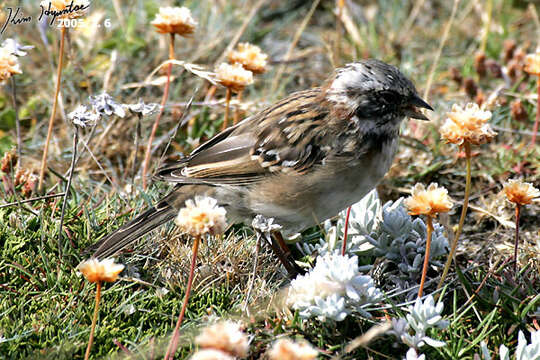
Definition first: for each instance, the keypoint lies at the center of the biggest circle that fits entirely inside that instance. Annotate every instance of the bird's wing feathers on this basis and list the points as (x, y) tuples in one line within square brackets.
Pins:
[(282, 138)]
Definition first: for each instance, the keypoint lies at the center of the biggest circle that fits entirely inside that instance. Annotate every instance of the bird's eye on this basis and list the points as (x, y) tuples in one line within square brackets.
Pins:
[(390, 97)]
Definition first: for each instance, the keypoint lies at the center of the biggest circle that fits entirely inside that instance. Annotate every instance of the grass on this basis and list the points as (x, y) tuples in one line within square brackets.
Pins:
[(46, 307)]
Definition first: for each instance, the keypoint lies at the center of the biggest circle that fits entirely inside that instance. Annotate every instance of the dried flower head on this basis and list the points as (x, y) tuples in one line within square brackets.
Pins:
[(211, 354), (142, 108), (95, 270), (174, 20), (518, 111), (250, 57), (104, 104), (66, 8), (480, 64), (201, 217), (470, 87), (532, 64), (81, 117), (28, 180), (430, 201), (521, 193), (467, 125), (9, 64), (234, 76), (225, 336), (286, 349), (8, 162)]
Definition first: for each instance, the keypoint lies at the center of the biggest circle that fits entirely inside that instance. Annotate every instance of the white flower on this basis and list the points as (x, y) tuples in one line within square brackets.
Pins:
[(332, 289), (82, 117), (201, 217), (524, 351), (412, 355), (422, 316), (264, 225), (530, 351), (15, 48), (104, 104), (425, 315)]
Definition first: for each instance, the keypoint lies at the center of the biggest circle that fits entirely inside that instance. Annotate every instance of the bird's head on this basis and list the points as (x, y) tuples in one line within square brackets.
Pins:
[(372, 89)]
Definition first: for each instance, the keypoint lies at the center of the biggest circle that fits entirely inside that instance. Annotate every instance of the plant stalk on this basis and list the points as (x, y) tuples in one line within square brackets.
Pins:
[(171, 350), (426, 256), (462, 218), (17, 121), (345, 232), (227, 103), (516, 241), (158, 117), (94, 320), (68, 186), (237, 108), (53, 111), (535, 128)]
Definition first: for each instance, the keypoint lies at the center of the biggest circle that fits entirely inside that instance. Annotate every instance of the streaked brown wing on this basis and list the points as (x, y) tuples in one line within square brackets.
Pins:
[(284, 137)]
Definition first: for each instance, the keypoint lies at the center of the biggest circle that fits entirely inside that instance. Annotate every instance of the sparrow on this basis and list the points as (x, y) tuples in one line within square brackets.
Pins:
[(300, 161)]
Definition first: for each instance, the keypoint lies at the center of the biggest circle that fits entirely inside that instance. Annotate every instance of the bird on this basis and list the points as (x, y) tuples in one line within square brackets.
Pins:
[(299, 161)]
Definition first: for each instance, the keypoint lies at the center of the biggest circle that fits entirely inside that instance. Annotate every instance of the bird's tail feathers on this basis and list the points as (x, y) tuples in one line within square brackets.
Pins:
[(125, 235)]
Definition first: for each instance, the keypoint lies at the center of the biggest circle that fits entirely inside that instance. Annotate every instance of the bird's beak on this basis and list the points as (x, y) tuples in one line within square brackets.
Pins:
[(413, 110)]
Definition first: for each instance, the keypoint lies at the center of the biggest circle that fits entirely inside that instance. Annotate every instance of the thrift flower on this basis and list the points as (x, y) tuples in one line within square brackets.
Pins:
[(225, 336), (250, 57), (211, 354), (234, 77), (521, 193), (467, 125), (202, 216), (532, 64), (286, 349), (174, 20), (9, 64), (95, 270), (430, 201)]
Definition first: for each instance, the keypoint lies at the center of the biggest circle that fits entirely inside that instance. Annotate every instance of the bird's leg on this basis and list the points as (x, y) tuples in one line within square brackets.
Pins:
[(271, 233), (284, 255)]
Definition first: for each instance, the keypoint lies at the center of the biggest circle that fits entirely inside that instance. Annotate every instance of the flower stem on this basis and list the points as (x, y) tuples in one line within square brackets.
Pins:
[(345, 232), (227, 102), (68, 186), (516, 241), (17, 121), (535, 128), (158, 117), (237, 108), (53, 111), (426, 256), (136, 150), (463, 213), (94, 320), (171, 350)]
